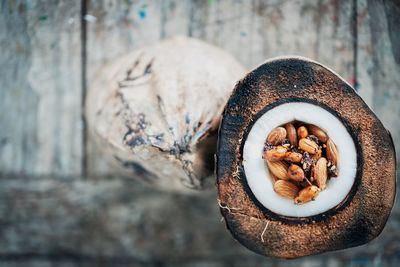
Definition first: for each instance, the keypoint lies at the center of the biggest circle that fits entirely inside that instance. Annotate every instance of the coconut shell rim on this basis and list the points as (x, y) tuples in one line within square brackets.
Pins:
[(232, 222)]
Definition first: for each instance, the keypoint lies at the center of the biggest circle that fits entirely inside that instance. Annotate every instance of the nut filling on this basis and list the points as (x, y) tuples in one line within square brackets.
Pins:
[(301, 159), (302, 129)]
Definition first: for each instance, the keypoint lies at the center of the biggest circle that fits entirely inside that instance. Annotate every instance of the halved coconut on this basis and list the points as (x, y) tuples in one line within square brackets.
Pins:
[(354, 207)]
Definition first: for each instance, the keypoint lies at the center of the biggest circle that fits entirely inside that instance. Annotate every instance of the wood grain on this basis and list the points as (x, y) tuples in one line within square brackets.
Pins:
[(254, 31), (378, 61), (117, 220), (40, 111)]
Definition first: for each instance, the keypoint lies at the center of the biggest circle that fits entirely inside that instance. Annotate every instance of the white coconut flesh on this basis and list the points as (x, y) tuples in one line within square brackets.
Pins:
[(257, 174)]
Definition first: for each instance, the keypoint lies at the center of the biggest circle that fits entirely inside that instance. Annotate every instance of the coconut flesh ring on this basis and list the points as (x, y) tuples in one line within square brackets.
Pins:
[(258, 177), (155, 112)]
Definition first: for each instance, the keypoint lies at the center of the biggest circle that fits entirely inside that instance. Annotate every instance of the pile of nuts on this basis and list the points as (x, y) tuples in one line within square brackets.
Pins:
[(301, 158)]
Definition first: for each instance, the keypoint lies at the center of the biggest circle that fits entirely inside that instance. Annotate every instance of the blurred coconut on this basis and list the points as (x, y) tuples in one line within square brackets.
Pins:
[(156, 111)]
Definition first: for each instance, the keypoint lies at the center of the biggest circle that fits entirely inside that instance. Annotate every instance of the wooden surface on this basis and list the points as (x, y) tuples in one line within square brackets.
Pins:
[(113, 220), (40, 111), (378, 61), (58, 206)]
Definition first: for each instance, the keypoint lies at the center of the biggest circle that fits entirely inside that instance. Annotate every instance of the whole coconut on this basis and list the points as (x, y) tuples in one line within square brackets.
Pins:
[(156, 111)]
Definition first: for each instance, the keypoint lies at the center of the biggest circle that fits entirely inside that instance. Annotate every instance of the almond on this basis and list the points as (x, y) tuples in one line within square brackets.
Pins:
[(321, 173), (318, 132), (302, 132), (308, 146), (312, 171), (291, 134), (273, 177), (293, 157), (279, 169), (295, 173), (331, 152), (307, 194), (317, 155), (275, 154), (286, 189), (276, 136)]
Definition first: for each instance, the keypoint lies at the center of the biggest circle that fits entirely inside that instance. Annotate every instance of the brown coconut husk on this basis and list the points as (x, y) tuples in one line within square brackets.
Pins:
[(359, 218)]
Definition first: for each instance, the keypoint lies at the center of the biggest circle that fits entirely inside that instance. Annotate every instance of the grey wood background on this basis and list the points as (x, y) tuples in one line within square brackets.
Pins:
[(60, 204)]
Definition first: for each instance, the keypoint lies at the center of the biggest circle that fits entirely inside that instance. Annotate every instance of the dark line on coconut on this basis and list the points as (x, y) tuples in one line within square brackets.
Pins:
[(314, 218), (84, 87), (127, 82)]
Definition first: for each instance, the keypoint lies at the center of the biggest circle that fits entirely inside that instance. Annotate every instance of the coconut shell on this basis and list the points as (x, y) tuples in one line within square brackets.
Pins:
[(359, 218), (155, 111)]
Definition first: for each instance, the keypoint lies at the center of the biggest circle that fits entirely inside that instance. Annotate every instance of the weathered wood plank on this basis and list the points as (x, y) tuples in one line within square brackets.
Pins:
[(254, 31), (175, 18), (40, 96), (231, 25), (110, 219), (378, 61)]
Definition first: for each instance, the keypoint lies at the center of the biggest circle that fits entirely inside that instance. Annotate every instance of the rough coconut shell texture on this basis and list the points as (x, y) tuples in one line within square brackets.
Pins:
[(359, 218), (155, 111)]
